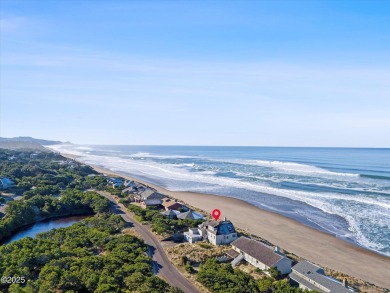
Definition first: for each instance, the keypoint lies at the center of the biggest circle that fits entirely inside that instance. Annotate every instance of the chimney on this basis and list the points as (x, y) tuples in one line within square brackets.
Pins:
[(224, 219), (345, 283)]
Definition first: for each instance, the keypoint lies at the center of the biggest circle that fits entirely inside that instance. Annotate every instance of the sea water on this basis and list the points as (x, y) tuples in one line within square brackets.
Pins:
[(342, 191)]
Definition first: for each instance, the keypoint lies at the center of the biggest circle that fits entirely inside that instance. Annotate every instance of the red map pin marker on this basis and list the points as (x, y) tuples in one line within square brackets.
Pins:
[(216, 214)]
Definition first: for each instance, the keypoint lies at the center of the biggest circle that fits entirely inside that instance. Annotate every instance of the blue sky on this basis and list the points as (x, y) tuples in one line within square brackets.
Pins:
[(267, 73)]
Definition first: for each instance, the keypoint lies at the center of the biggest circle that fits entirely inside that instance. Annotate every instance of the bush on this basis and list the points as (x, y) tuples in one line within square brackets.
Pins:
[(189, 268)]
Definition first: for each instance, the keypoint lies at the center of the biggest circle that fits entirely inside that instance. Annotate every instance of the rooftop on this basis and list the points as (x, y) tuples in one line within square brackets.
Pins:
[(170, 213), (257, 250), (190, 215), (315, 273), (224, 227)]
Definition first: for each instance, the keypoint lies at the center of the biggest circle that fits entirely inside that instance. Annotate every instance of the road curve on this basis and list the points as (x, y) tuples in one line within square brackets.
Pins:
[(166, 269)]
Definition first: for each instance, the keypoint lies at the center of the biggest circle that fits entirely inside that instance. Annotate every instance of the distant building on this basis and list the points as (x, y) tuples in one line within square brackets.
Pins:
[(149, 197), (115, 182), (33, 156), (129, 190), (312, 277), (217, 233), (171, 214), (6, 183), (170, 204), (140, 188), (130, 183), (190, 215), (260, 255)]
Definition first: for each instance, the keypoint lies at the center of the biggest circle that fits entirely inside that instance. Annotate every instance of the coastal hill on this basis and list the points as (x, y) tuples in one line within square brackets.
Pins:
[(26, 143)]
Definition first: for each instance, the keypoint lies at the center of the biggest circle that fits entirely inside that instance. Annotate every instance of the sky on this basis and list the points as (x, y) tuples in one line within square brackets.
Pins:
[(256, 73)]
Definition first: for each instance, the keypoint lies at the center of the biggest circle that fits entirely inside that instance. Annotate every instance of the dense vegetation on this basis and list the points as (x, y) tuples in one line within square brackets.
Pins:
[(86, 257), (72, 202), (161, 224), (51, 186), (223, 278), (46, 173)]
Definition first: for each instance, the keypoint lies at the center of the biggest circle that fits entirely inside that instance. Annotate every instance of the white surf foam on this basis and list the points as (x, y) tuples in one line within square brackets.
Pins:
[(355, 209), (149, 155), (290, 167)]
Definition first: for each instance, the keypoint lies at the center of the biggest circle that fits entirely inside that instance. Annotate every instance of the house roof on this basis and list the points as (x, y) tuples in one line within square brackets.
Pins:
[(232, 253), (150, 193), (222, 228), (128, 189), (210, 223), (170, 213), (257, 250), (190, 215), (316, 273), (152, 201), (168, 204)]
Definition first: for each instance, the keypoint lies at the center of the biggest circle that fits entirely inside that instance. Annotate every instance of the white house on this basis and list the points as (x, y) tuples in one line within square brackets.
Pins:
[(312, 277), (260, 255), (193, 235), (217, 233), (6, 183)]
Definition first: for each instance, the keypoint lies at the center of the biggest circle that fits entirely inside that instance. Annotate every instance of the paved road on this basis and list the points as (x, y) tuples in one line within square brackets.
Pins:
[(165, 268)]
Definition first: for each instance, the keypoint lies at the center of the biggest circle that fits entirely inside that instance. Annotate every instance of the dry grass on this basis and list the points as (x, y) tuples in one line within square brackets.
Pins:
[(132, 232), (251, 270), (195, 254), (360, 285)]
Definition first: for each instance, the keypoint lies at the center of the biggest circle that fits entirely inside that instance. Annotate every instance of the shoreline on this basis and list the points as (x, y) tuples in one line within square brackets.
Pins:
[(304, 241)]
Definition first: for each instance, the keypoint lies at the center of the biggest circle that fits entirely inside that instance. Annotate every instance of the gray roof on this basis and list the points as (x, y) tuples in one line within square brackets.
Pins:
[(232, 253), (170, 213), (150, 193), (210, 223), (257, 250), (222, 228), (190, 215), (306, 270)]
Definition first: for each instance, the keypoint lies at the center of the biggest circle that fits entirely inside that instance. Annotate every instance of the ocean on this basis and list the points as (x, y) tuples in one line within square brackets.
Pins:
[(341, 191)]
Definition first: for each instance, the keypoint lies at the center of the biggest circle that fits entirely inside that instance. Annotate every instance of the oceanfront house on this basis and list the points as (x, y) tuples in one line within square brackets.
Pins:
[(217, 233), (135, 188), (140, 188), (6, 183), (312, 277), (130, 183), (171, 214), (193, 235), (260, 255), (115, 182), (170, 204), (150, 198), (129, 190), (190, 215)]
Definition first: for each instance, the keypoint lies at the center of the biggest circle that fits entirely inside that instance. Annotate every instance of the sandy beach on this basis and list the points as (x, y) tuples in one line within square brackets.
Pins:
[(316, 246)]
